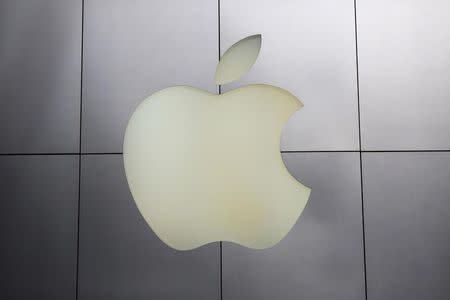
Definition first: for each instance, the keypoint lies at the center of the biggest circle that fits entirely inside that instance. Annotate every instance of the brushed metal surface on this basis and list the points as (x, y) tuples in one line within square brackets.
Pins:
[(133, 50), (322, 256), (407, 213), (308, 48), (40, 67), (38, 227), (404, 71), (121, 258)]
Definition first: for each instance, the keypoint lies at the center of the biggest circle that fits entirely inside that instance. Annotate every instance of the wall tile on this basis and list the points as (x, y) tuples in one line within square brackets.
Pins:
[(308, 48), (322, 256), (121, 258), (40, 66), (404, 68), (407, 213), (133, 50), (38, 227)]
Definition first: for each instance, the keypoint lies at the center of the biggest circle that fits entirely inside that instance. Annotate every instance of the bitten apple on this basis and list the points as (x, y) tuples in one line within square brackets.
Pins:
[(204, 167)]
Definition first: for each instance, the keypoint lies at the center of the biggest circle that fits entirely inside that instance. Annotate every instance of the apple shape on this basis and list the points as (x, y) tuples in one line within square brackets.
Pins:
[(204, 167)]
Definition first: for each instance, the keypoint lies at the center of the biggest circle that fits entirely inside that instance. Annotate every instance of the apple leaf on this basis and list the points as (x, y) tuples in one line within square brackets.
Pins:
[(238, 59)]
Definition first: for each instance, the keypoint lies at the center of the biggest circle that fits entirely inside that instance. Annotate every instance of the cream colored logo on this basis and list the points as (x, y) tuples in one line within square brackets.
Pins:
[(204, 167)]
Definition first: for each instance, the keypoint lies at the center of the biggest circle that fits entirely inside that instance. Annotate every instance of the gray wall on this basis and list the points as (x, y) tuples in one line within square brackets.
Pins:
[(373, 142)]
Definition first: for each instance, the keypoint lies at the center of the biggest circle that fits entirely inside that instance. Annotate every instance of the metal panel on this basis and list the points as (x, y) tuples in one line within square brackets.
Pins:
[(134, 49), (121, 258), (308, 48), (322, 256), (407, 209), (39, 76), (404, 67), (38, 227)]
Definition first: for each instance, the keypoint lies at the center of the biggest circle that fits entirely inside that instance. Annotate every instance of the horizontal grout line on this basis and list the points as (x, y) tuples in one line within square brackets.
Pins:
[(43, 153), (316, 151), (402, 151), (283, 151), (101, 153), (364, 151), (61, 153)]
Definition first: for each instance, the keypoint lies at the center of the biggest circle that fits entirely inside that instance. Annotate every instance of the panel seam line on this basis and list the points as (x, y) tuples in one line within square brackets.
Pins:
[(79, 150), (363, 226)]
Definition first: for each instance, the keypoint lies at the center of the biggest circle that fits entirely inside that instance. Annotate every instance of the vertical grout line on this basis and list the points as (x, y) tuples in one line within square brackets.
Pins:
[(220, 91), (360, 151), (81, 75), (78, 225), (363, 222), (218, 34), (221, 268), (357, 74), (79, 148)]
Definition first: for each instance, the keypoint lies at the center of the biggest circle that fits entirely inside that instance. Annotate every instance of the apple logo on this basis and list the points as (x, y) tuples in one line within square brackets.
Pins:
[(203, 167)]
